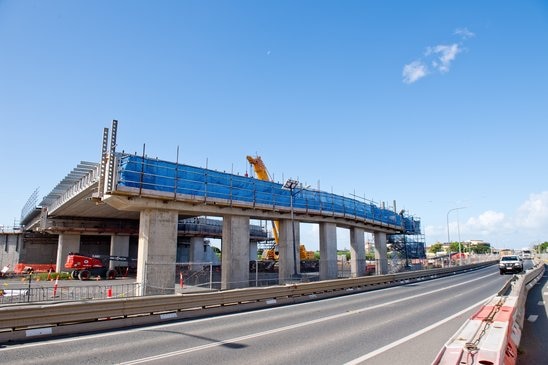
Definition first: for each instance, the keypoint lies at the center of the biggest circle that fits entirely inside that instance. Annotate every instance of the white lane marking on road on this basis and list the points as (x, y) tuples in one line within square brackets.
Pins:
[(167, 325), (369, 355), (532, 318), (298, 325)]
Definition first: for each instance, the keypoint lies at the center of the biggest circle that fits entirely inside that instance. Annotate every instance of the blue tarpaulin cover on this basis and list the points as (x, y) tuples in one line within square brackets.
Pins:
[(151, 174)]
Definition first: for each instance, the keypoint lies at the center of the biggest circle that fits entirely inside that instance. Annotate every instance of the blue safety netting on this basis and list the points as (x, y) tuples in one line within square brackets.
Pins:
[(150, 174)]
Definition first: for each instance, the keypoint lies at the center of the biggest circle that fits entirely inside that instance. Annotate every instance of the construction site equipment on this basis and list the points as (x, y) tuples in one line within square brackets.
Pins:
[(306, 255), (86, 267), (272, 254), (22, 268), (262, 174)]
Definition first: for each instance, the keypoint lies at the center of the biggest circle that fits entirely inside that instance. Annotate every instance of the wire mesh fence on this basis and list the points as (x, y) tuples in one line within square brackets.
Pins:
[(204, 276), (45, 292)]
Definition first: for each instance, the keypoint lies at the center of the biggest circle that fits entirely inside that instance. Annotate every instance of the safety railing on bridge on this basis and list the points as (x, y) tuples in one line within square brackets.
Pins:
[(143, 174)]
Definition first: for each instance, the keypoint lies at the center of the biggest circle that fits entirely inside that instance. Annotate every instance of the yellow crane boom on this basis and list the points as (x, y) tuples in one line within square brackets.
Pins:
[(262, 174)]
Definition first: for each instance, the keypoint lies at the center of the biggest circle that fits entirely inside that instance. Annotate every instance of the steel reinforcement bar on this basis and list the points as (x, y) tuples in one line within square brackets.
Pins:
[(19, 322)]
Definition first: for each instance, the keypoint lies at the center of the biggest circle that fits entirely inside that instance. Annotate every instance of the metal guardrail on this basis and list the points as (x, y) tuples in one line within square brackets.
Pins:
[(21, 321)]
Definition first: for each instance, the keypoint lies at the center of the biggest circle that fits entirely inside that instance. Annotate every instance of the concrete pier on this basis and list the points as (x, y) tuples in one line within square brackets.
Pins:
[(357, 252), (235, 249), (157, 251), (328, 251), (380, 253), (288, 250), (67, 243), (119, 246)]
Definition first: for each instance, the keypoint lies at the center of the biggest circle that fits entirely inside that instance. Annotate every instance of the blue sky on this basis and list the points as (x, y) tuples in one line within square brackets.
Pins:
[(436, 105)]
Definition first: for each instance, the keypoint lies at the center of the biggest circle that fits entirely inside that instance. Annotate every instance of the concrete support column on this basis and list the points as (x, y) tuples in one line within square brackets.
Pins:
[(235, 252), (67, 243), (196, 251), (288, 250), (253, 251), (357, 252), (380, 253), (328, 251), (157, 251), (119, 246)]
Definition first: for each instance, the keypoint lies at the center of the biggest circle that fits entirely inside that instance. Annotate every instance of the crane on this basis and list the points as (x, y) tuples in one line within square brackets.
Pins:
[(262, 174)]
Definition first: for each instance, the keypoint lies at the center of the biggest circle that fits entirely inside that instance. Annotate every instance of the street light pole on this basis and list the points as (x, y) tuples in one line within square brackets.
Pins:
[(291, 185), (293, 234), (458, 233), (448, 237)]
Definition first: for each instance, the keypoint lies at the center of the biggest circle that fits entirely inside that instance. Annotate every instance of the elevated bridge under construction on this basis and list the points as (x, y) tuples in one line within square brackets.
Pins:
[(127, 193)]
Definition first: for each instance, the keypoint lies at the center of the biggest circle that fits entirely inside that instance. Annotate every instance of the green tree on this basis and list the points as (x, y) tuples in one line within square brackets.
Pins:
[(542, 248), (454, 247), (436, 247), (481, 249)]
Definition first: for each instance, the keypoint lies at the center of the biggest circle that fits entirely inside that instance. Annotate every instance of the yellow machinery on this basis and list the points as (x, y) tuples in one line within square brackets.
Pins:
[(262, 174), (306, 255)]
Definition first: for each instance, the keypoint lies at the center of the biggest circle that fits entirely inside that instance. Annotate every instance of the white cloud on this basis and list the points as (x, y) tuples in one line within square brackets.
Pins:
[(445, 54), (533, 213), (487, 222), (414, 71), (464, 33), (437, 59), (525, 227)]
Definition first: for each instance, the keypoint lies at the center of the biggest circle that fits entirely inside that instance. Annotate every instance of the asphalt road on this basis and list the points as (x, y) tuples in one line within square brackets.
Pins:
[(408, 324)]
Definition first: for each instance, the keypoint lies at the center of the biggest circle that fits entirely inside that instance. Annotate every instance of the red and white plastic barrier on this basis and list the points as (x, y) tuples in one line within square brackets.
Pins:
[(492, 335)]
